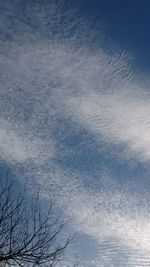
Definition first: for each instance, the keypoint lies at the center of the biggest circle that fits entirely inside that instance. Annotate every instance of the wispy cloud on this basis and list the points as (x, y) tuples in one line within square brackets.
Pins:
[(120, 117), (53, 75), (113, 217), (18, 148)]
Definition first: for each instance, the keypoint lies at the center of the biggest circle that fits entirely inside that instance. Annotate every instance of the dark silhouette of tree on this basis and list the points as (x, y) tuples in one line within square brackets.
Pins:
[(28, 234)]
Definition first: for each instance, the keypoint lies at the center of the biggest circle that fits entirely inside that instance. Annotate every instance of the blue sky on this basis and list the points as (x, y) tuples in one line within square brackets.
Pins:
[(74, 119), (127, 23)]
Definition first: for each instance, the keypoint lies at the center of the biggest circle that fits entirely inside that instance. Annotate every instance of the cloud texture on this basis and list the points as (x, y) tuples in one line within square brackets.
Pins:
[(58, 86)]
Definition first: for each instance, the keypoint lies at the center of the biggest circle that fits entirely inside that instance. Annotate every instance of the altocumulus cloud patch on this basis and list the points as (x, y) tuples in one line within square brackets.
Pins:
[(51, 72)]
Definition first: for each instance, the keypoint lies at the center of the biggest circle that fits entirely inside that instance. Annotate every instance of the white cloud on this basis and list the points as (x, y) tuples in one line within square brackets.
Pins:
[(19, 148), (120, 117), (114, 218), (51, 80)]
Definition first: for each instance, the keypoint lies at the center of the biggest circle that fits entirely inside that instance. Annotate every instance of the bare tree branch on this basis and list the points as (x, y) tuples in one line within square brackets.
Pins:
[(28, 235)]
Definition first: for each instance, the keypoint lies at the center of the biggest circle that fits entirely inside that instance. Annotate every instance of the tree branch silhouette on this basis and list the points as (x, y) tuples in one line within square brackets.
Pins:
[(28, 235)]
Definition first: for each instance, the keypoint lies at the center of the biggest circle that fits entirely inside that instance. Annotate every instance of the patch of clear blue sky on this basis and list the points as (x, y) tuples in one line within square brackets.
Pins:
[(126, 23)]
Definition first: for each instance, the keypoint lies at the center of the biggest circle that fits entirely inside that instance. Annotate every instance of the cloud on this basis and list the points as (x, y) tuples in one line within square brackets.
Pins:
[(51, 74), (17, 148), (119, 117), (114, 218)]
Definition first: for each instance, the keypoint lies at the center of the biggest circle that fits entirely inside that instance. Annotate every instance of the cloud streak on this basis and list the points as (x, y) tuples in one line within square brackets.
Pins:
[(121, 118)]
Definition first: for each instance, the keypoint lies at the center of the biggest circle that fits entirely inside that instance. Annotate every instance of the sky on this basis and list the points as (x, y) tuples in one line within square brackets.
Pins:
[(75, 120)]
